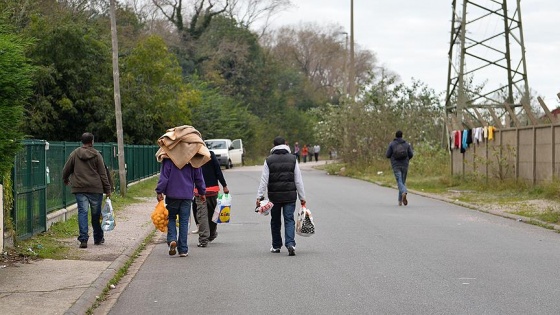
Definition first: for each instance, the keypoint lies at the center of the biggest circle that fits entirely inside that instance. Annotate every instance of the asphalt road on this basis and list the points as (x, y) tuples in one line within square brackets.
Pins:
[(369, 256)]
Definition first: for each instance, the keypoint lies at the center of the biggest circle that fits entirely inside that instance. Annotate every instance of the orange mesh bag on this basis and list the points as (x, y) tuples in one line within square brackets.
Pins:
[(160, 216)]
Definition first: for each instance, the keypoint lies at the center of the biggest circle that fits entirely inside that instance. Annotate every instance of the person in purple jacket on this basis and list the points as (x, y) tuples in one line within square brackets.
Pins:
[(177, 184)]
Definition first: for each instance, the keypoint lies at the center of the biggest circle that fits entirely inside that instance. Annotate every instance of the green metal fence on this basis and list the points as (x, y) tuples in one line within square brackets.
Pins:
[(30, 186), (38, 186)]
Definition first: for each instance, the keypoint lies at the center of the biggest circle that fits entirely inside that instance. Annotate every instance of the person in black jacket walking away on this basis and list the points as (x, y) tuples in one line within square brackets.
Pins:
[(281, 177), (400, 152), (212, 173)]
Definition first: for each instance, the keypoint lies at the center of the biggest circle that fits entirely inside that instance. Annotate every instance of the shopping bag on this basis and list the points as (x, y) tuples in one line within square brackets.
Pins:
[(304, 223), (223, 208), (160, 216), (264, 207), (107, 216)]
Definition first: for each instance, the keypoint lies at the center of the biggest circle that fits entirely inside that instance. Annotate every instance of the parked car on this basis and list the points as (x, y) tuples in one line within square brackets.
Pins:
[(228, 152)]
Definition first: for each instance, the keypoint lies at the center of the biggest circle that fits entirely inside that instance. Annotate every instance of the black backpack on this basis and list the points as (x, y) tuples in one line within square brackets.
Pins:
[(400, 151)]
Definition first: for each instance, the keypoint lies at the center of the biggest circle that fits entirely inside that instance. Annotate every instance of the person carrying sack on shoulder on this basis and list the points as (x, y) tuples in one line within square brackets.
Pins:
[(400, 152), (182, 153)]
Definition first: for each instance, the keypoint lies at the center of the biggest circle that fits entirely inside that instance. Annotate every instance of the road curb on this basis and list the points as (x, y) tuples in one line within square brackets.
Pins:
[(95, 290)]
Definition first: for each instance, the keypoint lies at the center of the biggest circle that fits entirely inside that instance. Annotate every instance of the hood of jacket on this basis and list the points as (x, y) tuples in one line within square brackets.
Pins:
[(278, 148), (86, 153)]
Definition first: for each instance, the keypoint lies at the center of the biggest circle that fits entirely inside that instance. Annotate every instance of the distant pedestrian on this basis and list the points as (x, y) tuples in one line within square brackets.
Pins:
[(213, 176), (400, 152), (89, 180), (182, 153), (281, 178), (296, 151), (316, 150), (305, 152)]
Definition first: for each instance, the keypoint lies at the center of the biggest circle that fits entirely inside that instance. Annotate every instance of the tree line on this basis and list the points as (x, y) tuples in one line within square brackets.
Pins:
[(201, 63)]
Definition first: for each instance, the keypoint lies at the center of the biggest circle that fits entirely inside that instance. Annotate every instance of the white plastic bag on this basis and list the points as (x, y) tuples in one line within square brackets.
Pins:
[(223, 209), (264, 207), (108, 216), (304, 223)]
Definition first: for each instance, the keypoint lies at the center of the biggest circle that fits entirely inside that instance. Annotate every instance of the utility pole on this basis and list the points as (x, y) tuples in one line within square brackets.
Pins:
[(352, 74), (117, 91), (344, 65)]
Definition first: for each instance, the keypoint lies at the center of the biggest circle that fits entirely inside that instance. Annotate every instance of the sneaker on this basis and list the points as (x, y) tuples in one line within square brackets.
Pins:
[(404, 201), (201, 245), (183, 254), (102, 241), (400, 203), (172, 248), (291, 250), (274, 250), (83, 244), (195, 231)]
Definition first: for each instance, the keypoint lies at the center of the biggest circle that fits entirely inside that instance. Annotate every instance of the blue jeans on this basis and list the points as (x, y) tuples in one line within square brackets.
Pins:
[(85, 201), (287, 209), (181, 207), (400, 175)]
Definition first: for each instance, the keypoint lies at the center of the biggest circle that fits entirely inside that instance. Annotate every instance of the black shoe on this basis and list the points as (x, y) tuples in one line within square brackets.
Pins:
[(83, 244), (291, 250), (274, 250), (102, 241), (404, 200), (201, 245)]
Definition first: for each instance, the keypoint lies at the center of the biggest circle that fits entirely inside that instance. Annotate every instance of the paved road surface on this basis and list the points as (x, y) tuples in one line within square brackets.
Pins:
[(369, 256)]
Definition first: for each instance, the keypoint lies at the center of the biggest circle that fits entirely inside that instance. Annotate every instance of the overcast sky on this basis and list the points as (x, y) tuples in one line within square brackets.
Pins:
[(411, 37)]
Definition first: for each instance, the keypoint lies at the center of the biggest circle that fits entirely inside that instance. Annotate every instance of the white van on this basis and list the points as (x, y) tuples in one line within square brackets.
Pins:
[(228, 152)]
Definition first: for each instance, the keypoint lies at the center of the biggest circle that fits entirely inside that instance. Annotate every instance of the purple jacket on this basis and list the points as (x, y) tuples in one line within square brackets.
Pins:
[(180, 183)]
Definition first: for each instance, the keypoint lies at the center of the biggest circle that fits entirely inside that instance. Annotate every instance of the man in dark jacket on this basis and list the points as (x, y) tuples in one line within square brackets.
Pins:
[(281, 177), (400, 152), (212, 173), (89, 182)]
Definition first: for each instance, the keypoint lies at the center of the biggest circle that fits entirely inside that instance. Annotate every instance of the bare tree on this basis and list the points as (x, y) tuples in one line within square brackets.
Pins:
[(200, 17), (247, 12), (321, 53)]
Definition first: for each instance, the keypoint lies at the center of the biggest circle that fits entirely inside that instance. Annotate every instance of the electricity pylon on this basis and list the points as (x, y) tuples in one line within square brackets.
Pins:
[(487, 70)]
